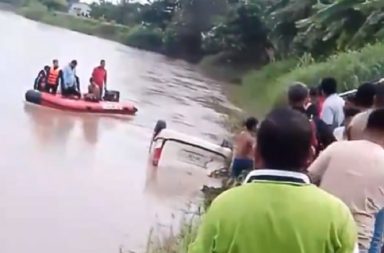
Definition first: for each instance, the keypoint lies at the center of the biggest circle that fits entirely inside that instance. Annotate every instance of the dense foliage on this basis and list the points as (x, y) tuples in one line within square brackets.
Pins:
[(291, 27), (253, 30), (250, 31)]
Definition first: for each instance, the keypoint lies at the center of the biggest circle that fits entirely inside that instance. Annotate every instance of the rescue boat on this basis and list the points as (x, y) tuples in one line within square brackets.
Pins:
[(79, 105)]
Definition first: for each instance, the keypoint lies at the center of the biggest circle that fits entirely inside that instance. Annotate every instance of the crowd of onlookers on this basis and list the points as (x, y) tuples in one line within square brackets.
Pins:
[(317, 178)]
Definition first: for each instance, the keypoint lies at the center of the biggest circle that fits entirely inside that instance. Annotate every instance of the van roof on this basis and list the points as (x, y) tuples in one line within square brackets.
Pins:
[(169, 134)]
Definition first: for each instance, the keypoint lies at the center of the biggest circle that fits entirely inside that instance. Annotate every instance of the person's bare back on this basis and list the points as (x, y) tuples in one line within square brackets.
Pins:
[(244, 148), (244, 145)]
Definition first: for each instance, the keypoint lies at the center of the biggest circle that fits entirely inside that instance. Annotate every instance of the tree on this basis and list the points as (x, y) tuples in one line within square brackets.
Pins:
[(342, 24), (243, 32)]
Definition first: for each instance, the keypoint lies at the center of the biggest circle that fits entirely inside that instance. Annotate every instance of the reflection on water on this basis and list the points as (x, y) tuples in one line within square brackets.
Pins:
[(54, 127)]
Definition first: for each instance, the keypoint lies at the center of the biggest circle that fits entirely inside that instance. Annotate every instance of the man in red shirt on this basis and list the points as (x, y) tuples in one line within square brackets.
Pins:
[(99, 77)]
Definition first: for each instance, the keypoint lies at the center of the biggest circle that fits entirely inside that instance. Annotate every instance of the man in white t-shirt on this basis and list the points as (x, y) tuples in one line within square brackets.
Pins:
[(332, 112), (354, 172)]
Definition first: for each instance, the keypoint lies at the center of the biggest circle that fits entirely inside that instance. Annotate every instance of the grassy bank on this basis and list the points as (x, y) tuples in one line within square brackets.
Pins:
[(137, 36), (179, 241), (38, 12), (261, 89)]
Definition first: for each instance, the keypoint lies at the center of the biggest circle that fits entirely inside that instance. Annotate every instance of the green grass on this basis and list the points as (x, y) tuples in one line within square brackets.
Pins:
[(171, 242), (38, 12), (262, 89)]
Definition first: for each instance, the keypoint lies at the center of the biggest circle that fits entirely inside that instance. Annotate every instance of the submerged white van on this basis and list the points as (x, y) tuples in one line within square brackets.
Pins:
[(184, 149)]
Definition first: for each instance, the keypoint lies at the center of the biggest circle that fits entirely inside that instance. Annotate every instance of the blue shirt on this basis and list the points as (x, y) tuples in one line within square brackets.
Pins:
[(69, 77)]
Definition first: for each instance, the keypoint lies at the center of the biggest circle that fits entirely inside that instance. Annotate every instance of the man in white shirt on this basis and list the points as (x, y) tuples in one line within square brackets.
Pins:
[(333, 108), (354, 172)]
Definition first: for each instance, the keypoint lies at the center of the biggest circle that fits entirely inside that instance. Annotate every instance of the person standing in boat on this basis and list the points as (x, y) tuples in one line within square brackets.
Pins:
[(99, 77), (53, 78), (41, 79), (70, 80)]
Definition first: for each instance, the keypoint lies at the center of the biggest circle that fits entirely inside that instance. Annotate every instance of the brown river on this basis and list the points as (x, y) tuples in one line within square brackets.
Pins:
[(73, 183)]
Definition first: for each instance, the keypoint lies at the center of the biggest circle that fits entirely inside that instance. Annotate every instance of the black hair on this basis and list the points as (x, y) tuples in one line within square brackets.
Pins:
[(329, 85), (351, 111), (297, 93), (91, 79), (376, 120), (379, 90), (251, 123), (46, 67), (101, 61), (74, 62), (314, 91), (284, 139), (55, 60), (365, 94)]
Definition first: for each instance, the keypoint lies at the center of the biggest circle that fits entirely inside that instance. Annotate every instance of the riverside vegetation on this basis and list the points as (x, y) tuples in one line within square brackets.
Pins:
[(263, 45)]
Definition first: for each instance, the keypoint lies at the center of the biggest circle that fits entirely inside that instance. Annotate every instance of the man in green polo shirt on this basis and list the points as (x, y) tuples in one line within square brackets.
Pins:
[(277, 210)]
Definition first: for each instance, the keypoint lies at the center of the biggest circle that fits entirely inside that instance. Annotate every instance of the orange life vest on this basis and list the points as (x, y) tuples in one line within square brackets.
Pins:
[(52, 76)]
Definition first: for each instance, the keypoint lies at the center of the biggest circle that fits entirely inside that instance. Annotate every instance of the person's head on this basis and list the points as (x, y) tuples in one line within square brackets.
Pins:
[(298, 95), (55, 63), (47, 68), (349, 113), (328, 86), (102, 63), (314, 94), (73, 64), (364, 95), (375, 127), (251, 124), (284, 140), (91, 80), (379, 96)]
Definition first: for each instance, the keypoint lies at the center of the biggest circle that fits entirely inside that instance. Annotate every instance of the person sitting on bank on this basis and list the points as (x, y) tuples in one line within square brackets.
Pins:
[(244, 148), (277, 210), (70, 80), (41, 79), (93, 91), (53, 79)]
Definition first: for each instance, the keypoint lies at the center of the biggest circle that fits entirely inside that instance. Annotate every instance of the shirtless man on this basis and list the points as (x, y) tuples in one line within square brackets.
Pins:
[(244, 148)]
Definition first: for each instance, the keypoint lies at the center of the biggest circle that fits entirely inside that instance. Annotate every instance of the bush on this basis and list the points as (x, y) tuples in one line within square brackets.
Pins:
[(262, 88), (258, 91), (108, 30), (145, 38), (34, 10)]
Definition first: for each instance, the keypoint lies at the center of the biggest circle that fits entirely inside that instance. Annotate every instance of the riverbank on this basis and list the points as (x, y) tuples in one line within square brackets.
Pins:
[(262, 89), (38, 12)]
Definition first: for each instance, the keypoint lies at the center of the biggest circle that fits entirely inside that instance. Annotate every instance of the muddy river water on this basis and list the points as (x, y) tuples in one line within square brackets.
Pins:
[(73, 183)]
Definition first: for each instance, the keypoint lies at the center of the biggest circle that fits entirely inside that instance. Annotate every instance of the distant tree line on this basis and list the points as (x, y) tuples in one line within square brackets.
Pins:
[(252, 30), (257, 29)]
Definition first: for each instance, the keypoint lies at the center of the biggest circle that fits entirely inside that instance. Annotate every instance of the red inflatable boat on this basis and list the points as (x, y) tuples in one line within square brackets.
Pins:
[(79, 105)]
